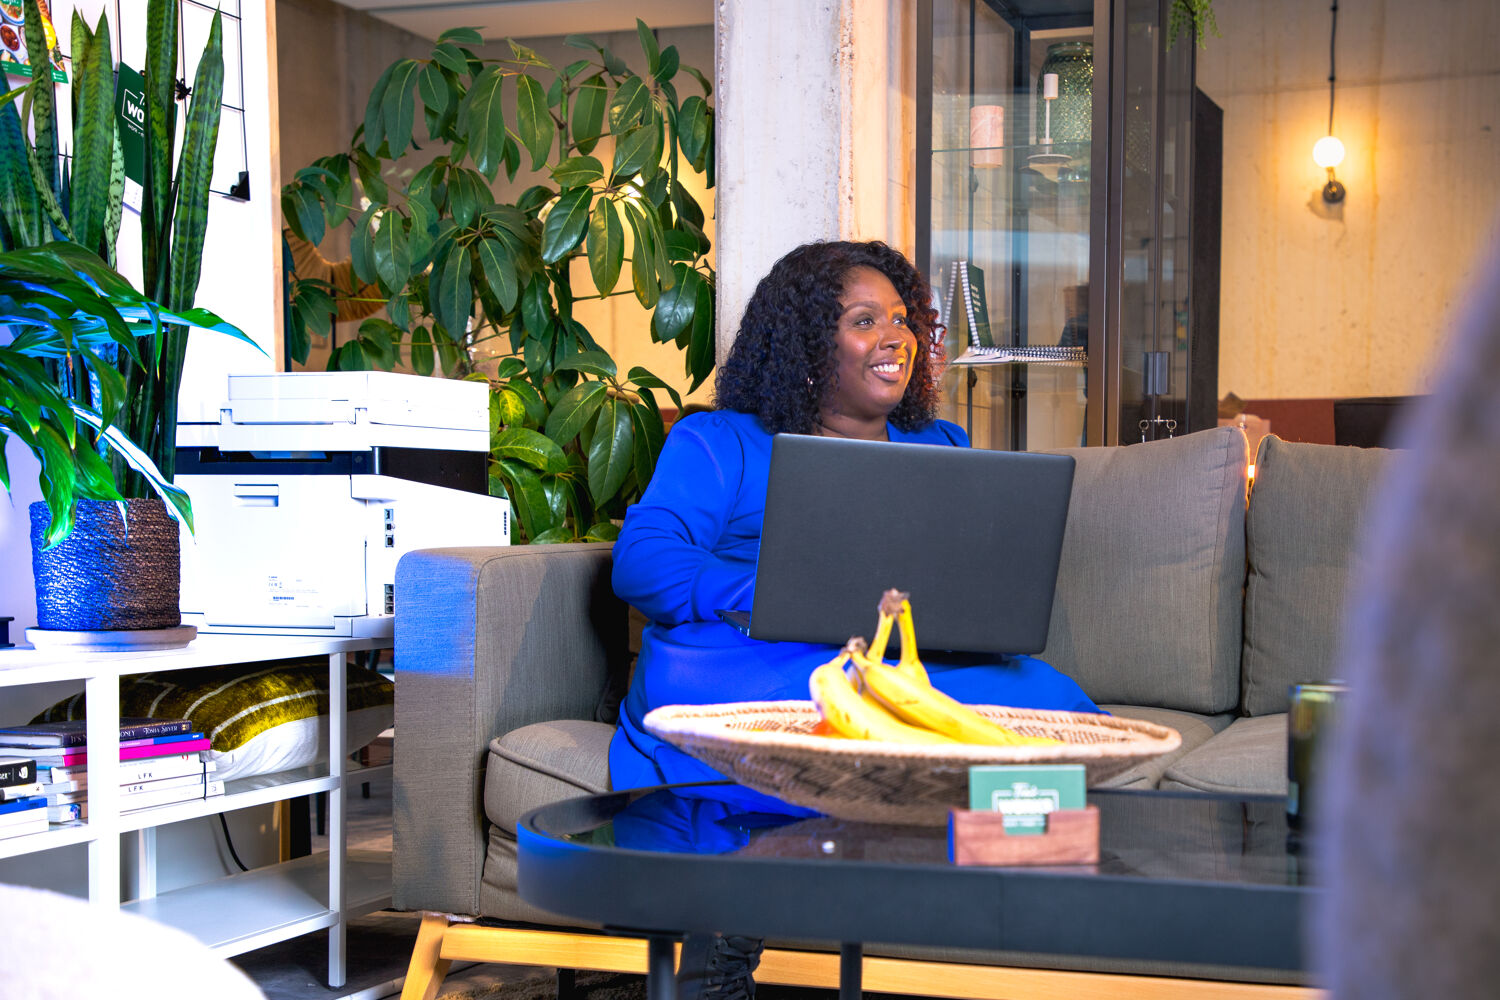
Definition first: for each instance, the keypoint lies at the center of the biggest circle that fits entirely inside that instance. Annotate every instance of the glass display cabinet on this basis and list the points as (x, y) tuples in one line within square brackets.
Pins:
[(1067, 215)]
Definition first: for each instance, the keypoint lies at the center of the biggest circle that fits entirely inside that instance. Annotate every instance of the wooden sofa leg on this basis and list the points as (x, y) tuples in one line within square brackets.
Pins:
[(427, 969)]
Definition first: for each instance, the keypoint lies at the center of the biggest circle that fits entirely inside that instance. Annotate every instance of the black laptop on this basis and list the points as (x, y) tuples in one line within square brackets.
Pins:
[(974, 536)]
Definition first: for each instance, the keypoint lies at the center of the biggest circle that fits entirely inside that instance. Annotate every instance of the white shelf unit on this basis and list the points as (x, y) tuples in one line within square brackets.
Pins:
[(240, 912)]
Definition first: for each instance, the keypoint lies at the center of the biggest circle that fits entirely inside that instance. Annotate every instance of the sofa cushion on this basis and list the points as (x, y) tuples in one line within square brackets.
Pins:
[(541, 763), (1306, 515), (1248, 757), (1194, 729), (1147, 610)]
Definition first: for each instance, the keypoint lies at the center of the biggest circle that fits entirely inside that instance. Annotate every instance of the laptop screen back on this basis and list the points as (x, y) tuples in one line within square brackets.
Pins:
[(974, 536)]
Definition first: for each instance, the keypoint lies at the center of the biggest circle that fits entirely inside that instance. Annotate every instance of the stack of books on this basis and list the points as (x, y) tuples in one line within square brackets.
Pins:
[(23, 806), (161, 764)]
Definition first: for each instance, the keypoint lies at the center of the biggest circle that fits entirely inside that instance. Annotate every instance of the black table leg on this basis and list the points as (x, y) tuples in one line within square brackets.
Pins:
[(661, 976), (851, 970)]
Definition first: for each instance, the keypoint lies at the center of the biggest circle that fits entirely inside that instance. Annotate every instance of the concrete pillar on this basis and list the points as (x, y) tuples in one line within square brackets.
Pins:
[(814, 105)]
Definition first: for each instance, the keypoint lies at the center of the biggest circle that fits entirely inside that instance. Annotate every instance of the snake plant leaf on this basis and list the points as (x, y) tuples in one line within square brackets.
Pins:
[(612, 450), (195, 171), (399, 106), (576, 171), (529, 446), (39, 95), (587, 120), (45, 195), (116, 198), (534, 121), (629, 105), (160, 75), (498, 264), (574, 411), (565, 224), (594, 362), (646, 380), (93, 134), (648, 45), (389, 244), (606, 246), (21, 219)]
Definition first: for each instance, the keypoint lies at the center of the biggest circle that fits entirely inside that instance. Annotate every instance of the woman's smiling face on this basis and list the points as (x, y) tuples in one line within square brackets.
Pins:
[(873, 354)]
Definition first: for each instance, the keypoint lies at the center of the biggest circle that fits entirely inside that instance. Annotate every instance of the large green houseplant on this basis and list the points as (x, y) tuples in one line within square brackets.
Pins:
[(469, 282), (93, 366)]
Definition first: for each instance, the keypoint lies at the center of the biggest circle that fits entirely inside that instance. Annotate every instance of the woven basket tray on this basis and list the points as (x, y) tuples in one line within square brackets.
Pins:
[(769, 746)]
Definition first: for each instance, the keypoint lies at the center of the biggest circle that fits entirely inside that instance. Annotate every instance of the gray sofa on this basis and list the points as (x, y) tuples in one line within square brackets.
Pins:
[(1177, 602)]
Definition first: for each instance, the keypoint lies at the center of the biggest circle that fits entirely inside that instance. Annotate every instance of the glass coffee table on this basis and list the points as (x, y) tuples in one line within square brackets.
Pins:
[(1182, 878)]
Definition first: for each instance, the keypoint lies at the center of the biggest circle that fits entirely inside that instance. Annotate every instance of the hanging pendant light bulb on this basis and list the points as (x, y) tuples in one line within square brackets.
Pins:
[(1328, 152)]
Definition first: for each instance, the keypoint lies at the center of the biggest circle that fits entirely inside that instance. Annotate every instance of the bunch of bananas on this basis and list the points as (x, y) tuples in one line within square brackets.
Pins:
[(860, 696)]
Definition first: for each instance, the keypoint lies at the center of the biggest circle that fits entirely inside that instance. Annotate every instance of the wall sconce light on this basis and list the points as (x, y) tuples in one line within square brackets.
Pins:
[(1328, 152)]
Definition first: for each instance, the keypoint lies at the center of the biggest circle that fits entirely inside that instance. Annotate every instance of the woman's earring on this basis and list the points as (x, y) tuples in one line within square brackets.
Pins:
[(809, 380)]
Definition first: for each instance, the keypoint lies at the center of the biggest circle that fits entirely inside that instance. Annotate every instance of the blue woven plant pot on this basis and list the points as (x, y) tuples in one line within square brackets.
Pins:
[(109, 574)]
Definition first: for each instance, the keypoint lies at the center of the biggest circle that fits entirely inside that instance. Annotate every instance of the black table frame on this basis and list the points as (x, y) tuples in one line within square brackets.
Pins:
[(1059, 910)]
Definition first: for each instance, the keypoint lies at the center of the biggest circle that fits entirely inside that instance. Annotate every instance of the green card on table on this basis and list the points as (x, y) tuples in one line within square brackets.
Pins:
[(1026, 793)]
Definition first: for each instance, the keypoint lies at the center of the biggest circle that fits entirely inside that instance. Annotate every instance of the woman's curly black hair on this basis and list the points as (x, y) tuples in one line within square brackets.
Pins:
[(782, 364)]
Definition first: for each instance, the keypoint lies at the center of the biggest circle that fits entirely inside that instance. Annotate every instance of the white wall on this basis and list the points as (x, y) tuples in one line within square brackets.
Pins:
[(1355, 300)]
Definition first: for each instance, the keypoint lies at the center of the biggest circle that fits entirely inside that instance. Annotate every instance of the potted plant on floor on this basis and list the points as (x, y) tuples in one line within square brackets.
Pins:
[(114, 355), (468, 281)]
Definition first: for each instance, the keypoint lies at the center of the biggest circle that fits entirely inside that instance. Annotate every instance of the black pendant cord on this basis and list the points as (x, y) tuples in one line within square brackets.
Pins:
[(1332, 35)]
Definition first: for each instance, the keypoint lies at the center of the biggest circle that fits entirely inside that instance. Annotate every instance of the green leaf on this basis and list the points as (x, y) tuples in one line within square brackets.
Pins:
[(708, 88), (93, 135), (524, 487), (450, 57), (644, 378), (606, 246), (399, 108), (629, 105), (581, 42), (565, 224), (368, 169), (437, 96), (462, 36), (594, 362), (604, 531), (362, 246), (649, 435), (587, 121), (577, 171), (39, 95), (468, 195), (553, 536), (633, 151), (574, 411), (374, 116), (536, 307), (534, 120), (392, 259), (648, 45), (674, 311), (194, 172), (452, 293), (611, 451), (695, 131), (667, 67), (700, 359), (509, 368), (535, 449), (483, 118), (421, 351), (499, 267), (643, 273)]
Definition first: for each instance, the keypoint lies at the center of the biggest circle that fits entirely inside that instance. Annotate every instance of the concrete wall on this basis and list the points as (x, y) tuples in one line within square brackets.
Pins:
[(1356, 300), (330, 57)]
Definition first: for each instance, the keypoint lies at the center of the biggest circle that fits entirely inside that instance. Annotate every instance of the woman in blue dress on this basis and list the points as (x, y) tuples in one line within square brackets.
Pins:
[(838, 339)]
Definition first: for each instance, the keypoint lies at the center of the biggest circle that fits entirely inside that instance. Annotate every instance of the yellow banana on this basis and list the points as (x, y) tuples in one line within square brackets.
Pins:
[(890, 607), (851, 715), (924, 706), (910, 665)]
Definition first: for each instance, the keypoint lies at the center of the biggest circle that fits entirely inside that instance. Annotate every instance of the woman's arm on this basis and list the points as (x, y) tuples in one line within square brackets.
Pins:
[(664, 558)]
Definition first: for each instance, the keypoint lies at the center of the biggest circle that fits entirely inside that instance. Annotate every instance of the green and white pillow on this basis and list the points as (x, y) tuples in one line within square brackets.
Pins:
[(262, 717)]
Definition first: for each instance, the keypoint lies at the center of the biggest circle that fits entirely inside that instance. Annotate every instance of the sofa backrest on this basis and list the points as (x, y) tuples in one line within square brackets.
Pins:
[(1148, 604), (1306, 516)]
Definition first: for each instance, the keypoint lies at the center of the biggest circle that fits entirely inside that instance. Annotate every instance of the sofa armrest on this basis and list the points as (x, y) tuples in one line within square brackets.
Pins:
[(487, 640)]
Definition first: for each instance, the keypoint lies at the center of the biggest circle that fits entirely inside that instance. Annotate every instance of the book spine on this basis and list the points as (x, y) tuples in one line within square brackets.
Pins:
[(21, 805), (66, 812), (12, 792), (162, 727), (147, 769), (160, 740), (25, 823), (153, 749)]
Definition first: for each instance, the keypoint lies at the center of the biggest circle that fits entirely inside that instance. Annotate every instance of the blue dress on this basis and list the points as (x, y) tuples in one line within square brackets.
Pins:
[(689, 548)]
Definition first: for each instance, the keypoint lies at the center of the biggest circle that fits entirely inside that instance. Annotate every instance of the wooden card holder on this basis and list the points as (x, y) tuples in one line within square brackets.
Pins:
[(978, 837)]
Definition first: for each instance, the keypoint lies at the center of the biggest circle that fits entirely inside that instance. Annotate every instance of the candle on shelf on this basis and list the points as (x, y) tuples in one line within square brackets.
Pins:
[(1049, 86)]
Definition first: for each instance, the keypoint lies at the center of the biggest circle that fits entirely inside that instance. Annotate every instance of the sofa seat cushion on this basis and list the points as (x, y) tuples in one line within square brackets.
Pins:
[(541, 763), (1248, 757), (1306, 515), (1149, 589), (1195, 730)]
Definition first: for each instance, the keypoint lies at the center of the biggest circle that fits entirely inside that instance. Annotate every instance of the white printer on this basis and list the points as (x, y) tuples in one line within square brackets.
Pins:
[(313, 484)]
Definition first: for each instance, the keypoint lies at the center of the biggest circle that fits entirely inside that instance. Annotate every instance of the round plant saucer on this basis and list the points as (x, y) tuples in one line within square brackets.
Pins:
[(174, 637)]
